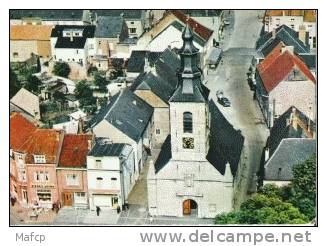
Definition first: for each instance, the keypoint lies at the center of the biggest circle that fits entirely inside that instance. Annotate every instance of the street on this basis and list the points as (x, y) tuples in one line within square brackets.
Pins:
[(230, 77)]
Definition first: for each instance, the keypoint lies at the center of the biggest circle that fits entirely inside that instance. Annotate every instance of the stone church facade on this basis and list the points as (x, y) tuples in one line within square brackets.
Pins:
[(194, 174)]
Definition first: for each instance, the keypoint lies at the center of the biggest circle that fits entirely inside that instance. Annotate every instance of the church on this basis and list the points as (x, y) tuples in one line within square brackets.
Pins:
[(198, 167)]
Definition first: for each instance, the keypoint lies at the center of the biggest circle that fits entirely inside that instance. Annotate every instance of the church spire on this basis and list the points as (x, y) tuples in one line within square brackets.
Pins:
[(190, 74)]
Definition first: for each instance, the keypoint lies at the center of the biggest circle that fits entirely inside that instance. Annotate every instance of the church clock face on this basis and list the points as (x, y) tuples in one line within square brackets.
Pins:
[(188, 143)]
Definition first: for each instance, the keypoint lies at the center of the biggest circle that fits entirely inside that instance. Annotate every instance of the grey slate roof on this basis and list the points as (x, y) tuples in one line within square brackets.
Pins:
[(290, 153), (181, 27), (202, 12), (102, 148), (197, 95), (156, 84), (225, 142), (281, 129), (309, 60), (47, 14), (136, 61), (109, 26), (126, 13), (287, 35), (127, 112), (78, 42)]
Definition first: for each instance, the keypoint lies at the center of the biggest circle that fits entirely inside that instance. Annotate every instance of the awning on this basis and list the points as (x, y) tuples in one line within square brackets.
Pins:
[(214, 56)]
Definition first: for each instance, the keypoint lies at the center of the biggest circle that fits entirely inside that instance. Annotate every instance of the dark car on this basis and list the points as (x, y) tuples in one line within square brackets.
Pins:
[(224, 101)]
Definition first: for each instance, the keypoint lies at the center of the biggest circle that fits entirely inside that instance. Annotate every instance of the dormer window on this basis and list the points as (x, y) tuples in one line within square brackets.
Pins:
[(187, 122), (39, 158)]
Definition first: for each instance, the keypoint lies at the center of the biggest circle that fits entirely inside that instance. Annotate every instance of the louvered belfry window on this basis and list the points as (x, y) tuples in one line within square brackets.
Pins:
[(187, 122)]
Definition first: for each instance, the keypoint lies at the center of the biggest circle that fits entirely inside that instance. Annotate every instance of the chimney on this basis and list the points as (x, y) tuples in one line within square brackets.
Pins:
[(288, 48), (71, 36), (273, 33), (89, 144), (266, 154), (146, 63), (303, 34)]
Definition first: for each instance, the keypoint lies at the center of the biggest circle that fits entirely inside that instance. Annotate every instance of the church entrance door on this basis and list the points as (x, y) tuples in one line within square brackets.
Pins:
[(190, 207)]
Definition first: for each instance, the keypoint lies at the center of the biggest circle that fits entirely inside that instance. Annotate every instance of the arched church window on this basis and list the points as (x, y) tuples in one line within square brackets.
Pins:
[(187, 122)]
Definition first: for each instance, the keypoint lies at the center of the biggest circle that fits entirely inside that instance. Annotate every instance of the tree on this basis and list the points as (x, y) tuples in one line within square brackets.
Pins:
[(100, 81), (14, 83), (304, 187), (61, 69), (261, 209), (84, 94), (33, 84)]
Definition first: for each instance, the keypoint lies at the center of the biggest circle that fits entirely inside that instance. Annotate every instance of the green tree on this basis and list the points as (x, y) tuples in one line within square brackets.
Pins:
[(14, 83), (61, 69), (84, 94), (100, 81), (33, 84), (261, 209)]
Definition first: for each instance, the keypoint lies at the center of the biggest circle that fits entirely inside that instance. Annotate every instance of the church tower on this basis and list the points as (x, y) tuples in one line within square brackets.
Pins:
[(189, 114)]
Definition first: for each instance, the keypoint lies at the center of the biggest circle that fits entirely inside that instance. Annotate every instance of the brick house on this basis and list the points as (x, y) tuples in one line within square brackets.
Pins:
[(71, 170)]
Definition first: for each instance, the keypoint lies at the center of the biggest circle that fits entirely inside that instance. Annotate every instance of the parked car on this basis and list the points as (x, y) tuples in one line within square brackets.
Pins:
[(224, 101)]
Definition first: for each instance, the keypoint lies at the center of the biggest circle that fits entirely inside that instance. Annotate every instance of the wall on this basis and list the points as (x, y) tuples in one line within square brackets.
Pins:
[(167, 190), (300, 94), (23, 48), (200, 131)]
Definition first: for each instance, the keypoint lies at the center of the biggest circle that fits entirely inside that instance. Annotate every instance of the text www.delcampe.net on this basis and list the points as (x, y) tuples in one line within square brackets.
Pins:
[(229, 237)]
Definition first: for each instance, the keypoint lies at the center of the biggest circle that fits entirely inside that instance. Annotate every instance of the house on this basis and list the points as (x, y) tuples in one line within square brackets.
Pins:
[(167, 33), (291, 141), (287, 37), (282, 74), (198, 164), (27, 103), (134, 18), (49, 17), (210, 18), (139, 61), (126, 119), (65, 124), (295, 19), (110, 30), (110, 174), (73, 44), (71, 170), (156, 90), (34, 155), (26, 40), (21, 130)]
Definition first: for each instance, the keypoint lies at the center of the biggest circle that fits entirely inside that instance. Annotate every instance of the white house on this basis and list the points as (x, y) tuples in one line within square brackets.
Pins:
[(126, 119), (73, 44), (198, 165), (110, 174)]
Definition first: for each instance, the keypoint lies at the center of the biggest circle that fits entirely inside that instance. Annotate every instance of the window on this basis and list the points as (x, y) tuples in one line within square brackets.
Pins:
[(44, 195), (15, 54), (76, 51), (292, 26), (132, 22), (99, 182), (80, 197), (212, 207), (157, 131), (189, 180), (76, 33), (99, 42), (314, 44), (22, 175), (187, 122), (41, 176), (39, 158), (132, 30), (71, 179), (114, 179), (98, 164), (19, 156)]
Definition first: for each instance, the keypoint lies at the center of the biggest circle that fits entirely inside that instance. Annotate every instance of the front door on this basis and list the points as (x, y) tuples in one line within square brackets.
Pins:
[(187, 207), (68, 199)]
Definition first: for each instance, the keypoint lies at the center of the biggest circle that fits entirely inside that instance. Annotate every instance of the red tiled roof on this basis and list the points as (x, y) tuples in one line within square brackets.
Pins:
[(74, 150), (42, 142), (20, 130), (277, 65), (199, 29)]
